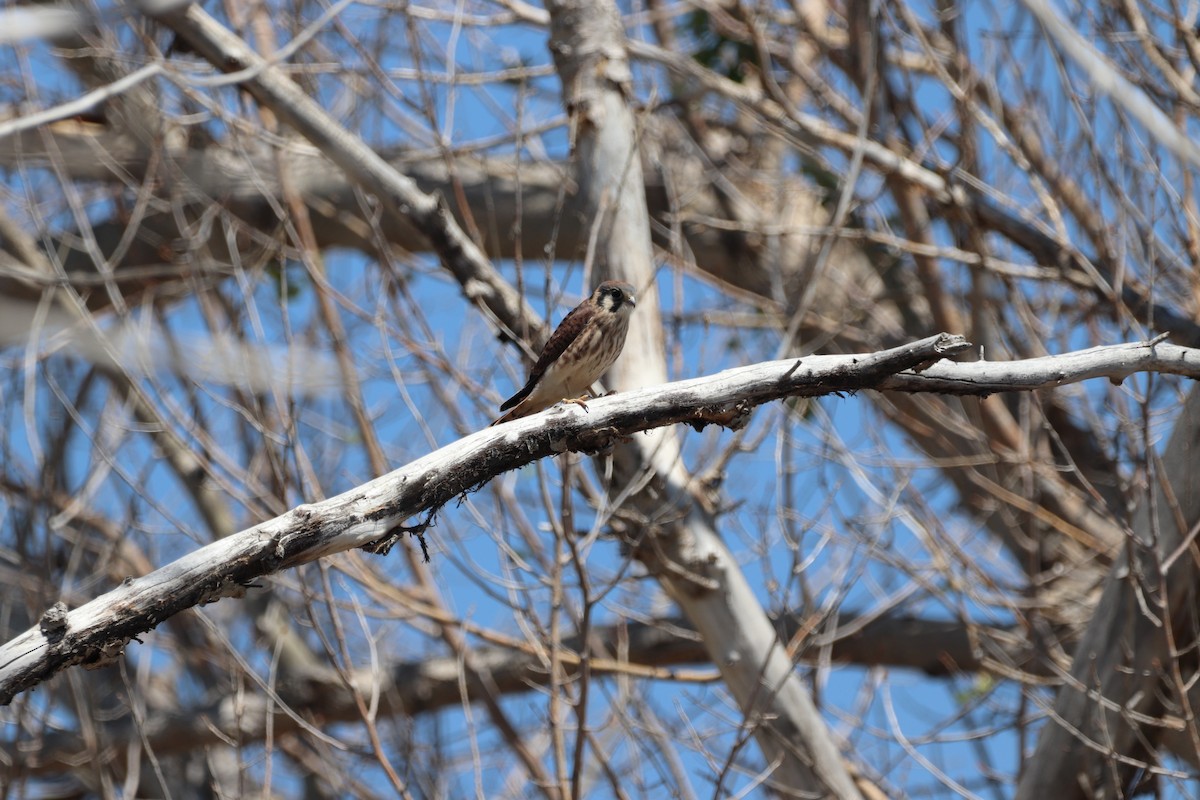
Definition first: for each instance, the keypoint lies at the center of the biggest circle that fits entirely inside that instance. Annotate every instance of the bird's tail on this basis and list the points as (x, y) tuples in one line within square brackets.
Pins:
[(509, 417), (513, 404)]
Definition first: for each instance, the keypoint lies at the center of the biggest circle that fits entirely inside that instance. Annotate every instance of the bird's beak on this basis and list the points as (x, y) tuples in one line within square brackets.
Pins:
[(632, 301)]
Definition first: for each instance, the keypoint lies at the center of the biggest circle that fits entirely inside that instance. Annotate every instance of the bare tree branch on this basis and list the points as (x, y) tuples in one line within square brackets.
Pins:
[(398, 193), (655, 648), (97, 632), (1105, 77), (1111, 713)]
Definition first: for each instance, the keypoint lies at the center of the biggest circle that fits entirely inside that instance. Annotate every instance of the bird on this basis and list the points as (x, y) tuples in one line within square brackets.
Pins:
[(582, 347)]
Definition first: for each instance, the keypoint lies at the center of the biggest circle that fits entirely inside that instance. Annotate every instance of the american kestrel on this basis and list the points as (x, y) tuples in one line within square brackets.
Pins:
[(584, 345)]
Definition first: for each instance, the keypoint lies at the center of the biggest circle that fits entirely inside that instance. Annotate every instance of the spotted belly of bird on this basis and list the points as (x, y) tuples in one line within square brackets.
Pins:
[(582, 364)]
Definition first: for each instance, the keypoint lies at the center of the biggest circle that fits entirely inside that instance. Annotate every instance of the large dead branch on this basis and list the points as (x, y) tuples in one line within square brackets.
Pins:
[(97, 632)]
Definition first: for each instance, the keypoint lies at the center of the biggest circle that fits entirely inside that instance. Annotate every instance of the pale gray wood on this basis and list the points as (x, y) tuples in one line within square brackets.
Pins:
[(98, 631)]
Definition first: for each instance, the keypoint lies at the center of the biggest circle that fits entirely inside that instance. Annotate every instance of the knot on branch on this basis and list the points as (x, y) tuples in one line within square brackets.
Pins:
[(53, 623)]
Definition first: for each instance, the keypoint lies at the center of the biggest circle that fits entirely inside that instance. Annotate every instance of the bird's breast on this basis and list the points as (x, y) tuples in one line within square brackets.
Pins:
[(592, 352)]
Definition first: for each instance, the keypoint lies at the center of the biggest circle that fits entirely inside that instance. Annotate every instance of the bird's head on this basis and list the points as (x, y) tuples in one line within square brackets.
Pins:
[(615, 297)]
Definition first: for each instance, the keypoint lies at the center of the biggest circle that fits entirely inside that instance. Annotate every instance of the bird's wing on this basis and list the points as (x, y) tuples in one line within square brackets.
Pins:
[(566, 332)]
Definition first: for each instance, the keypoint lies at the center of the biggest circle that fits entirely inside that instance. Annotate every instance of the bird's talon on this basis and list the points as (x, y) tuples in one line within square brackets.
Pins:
[(577, 401)]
